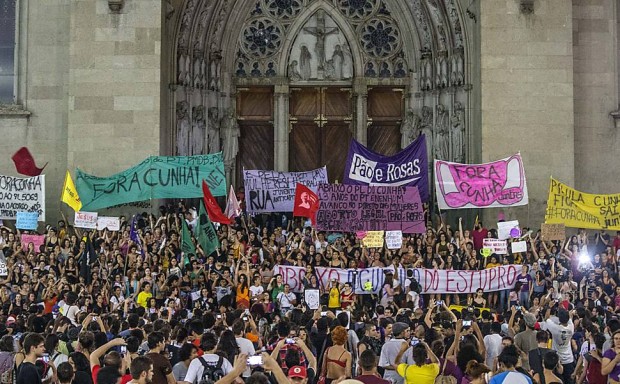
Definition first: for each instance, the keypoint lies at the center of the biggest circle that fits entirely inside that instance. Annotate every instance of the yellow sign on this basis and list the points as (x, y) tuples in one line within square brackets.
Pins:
[(575, 209), (373, 239), (486, 252)]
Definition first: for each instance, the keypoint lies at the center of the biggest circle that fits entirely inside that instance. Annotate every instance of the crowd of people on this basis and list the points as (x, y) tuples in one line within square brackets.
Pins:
[(109, 307)]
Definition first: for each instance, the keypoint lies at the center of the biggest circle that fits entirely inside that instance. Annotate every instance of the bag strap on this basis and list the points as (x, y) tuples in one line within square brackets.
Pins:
[(324, 365), (443, 370)]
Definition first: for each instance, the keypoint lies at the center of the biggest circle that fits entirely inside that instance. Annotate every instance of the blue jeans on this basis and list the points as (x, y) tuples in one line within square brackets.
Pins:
[(503, 299), (524, 299)]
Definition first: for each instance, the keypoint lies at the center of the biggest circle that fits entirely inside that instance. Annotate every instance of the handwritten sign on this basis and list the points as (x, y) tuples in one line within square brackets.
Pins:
[(519, 246), (85, 220), (373, 239), (497, 184), (111, 223), (157, 177), (504, 229), (553, 232), (27, 220), (22, 195), (352, 208), (499, 247), (312, 298), (272, 191), (430, 280), (36, 240), (394, 239)]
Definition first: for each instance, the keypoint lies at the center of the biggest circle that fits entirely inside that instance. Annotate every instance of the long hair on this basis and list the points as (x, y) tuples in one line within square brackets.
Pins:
[(227, 346)]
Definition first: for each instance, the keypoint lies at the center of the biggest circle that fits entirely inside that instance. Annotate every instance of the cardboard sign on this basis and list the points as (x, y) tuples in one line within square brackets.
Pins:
[(85, 220), (504, 229), (553, 232), (394, 239), (519, 246), (496, 246), (111, 223), (373, 239), (27, 220)]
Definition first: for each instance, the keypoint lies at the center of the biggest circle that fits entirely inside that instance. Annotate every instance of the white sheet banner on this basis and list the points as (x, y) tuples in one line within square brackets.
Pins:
[(85, 220), (500, 183), (111, 223), (370, 280), (22, 195), (499, 247), (272, 191)]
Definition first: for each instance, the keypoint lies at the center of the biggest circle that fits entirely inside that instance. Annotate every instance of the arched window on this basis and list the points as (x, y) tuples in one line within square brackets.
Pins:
[(8, 40)]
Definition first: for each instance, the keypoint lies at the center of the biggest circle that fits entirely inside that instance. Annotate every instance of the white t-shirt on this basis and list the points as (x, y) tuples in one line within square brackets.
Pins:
[(254, 290), (195, 369), (493, 345), (286, 299), (70, 312), (246, 346), (562, 335), (510, 377)]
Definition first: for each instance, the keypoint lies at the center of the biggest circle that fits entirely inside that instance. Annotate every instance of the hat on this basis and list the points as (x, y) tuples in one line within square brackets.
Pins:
[(529, 320), (399, 328), (298, 371), (505, 329)]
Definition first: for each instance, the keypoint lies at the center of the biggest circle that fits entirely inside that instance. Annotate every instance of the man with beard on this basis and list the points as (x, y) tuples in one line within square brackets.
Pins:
[(141, 370)]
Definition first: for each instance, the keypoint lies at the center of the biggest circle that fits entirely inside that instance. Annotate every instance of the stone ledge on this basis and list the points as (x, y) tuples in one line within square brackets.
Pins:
[(13, 110)]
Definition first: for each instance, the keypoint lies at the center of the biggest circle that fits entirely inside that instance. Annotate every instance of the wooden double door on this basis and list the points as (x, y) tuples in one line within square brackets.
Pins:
[(320, 129)]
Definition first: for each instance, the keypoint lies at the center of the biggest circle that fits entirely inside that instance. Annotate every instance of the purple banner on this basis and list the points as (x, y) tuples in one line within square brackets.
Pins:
[(408, 167), (352, 208)]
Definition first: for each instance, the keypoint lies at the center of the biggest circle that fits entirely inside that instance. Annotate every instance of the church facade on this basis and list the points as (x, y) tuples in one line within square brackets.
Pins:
[(286, 84)]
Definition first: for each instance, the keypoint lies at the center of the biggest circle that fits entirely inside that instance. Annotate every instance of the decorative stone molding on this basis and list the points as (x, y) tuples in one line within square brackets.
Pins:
[(526, 7), (616, 116), (116, 5), (13, 110)]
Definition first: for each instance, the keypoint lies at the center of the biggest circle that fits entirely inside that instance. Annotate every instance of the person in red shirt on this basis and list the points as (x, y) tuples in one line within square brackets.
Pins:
[(617, 242), (479, 234), (111, 359), (368, 364)]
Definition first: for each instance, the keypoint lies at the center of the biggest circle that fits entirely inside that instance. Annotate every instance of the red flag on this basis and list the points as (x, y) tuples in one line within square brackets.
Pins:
[(213, 210), (306, 203), (24, 163)]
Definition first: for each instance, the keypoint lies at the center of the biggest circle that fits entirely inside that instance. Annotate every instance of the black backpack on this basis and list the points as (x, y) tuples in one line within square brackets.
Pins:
[(211, 372)]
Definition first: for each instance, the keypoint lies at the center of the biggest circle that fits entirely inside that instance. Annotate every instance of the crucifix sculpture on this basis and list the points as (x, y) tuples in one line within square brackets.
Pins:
[(320, 31)]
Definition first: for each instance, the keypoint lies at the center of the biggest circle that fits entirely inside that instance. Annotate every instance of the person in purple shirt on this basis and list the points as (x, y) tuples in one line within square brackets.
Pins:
[(526, 286), (611, 360)]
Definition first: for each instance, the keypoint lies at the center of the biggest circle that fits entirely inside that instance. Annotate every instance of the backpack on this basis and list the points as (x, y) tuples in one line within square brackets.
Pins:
[(211, 372)]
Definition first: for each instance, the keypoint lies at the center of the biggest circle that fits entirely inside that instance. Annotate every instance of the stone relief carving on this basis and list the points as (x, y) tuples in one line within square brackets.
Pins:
[(458, 133), (457, 77), (409, 128), (230, 137), (186, 21), (320, 31), (426, 127), (437, 16), (215, 70), (198, 130), (422, 23), (293, 72), (304, 63), (213, 133), (199, 70), (441, 71), (455, 22), (426, 72), (442, 134), (183, 128)]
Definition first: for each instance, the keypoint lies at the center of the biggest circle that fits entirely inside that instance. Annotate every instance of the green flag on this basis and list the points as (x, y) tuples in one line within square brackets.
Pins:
[(205, 233), (186, 243)]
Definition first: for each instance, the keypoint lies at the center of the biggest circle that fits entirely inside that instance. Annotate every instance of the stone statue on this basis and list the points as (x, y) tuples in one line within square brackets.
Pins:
[(213, 133), (293, 72), (321, 31), (230, 136), (409, 128), (330, 70), (426, 75), (183, 128), (426, 128), (304, 63), (442, 134), (198, 130), (215, 68), (457, 127), (338, 62)]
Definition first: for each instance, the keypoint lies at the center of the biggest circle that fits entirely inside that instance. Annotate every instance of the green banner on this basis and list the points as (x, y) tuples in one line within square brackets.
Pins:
[(157, 177), (205, 233)]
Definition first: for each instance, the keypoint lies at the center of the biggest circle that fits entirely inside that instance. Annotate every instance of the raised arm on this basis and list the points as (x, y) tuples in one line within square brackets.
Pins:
[(95, 356)]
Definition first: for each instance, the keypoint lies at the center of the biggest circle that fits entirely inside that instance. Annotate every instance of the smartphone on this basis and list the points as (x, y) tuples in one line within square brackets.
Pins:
[(289, 340), (245, 318), (324, 313), (46, 358), (414, 342), (94, 318), (255, 360), (123, 349), (219, 317), (518, 307), (439, 303), (466, 323)]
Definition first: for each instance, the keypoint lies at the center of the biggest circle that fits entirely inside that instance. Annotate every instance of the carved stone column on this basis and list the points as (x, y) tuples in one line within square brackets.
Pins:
[(360, 119), (281, 127)]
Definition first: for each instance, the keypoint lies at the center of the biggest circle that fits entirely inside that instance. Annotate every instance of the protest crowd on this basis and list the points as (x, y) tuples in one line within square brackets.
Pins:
[(128, 305)]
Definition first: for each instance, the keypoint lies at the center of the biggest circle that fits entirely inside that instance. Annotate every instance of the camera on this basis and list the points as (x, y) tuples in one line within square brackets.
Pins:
[(255, 360), (289, 340), (466, 323), (439, 303), (123, 349)]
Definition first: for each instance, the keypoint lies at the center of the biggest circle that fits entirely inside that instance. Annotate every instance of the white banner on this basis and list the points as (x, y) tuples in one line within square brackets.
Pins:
[(22, 195), (272, 191), (504, 229), (86, 220), (111, 223), (370, 280), (499, 247), (519, 246), (394, 239)]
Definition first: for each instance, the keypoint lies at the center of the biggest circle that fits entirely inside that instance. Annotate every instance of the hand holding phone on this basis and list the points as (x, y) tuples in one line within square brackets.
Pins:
[(255, 361)]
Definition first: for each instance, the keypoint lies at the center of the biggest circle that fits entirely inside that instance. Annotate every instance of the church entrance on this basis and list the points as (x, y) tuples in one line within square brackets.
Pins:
[(320, 129)]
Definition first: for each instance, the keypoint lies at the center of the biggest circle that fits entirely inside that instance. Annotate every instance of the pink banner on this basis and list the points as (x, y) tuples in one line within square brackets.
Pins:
[(37, 240), (497, 184)]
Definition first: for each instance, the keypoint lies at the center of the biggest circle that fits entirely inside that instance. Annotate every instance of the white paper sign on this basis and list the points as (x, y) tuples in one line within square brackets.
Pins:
[(504, 227), (497, 246), (111, 223), (519, 246), (85, 220), (311, 296), (394, 239)]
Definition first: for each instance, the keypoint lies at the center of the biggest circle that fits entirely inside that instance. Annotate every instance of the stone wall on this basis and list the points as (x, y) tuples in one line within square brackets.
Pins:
[(527, 95), (114, 88), (595, 58)]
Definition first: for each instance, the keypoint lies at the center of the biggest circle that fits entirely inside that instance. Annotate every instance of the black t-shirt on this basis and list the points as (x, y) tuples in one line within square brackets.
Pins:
[(27, 373)]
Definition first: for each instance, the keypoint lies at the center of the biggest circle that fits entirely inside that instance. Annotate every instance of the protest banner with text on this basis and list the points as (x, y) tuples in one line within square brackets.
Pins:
[(575, 209), (86, 220), (157, 177), (109, 222), (408, 167), (352, 208), (553, 232), (273, 191), (499, 247), (36, 240), (22, 195), (373, 239), (394, 239), (497, 184), (430, 280), (26, 220)]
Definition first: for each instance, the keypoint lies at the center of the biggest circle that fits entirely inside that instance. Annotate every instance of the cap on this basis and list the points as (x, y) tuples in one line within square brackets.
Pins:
[(399, 328), (298, 371), (529, 320)]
